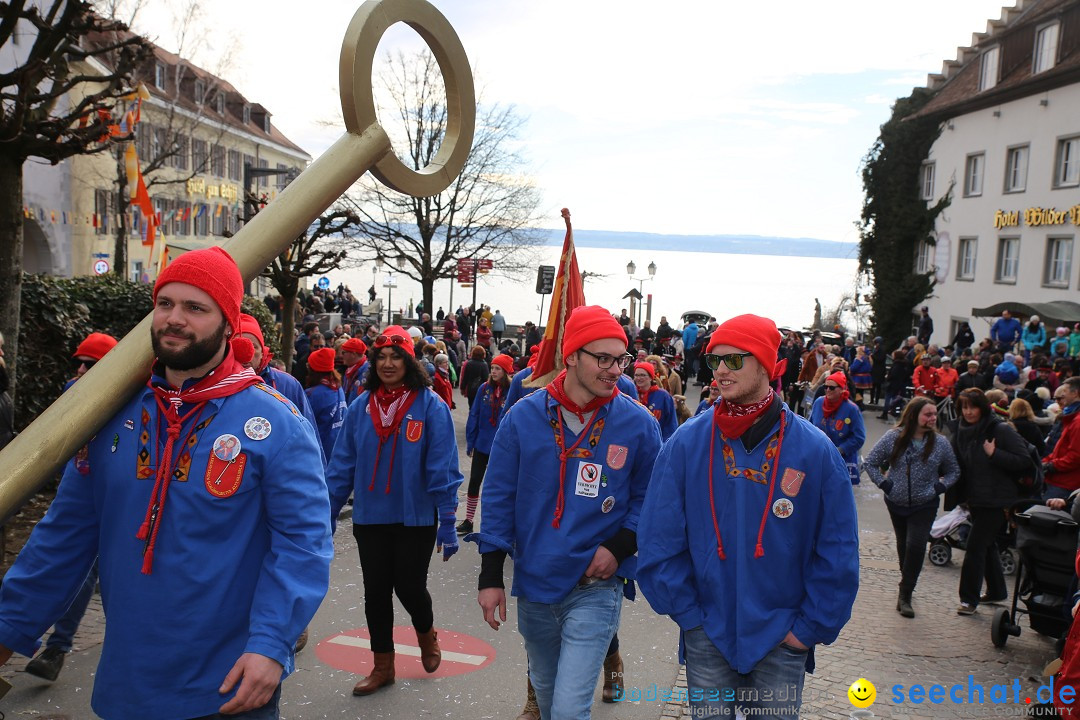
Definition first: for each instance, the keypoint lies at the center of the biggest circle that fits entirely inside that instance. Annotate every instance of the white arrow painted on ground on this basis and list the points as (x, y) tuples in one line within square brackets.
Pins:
[(412, 650)]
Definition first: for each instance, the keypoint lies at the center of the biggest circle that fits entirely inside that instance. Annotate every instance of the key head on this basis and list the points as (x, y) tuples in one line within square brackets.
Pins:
[(358, 105)]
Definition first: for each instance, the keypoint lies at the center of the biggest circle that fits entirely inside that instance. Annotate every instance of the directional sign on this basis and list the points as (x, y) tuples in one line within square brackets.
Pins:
[(324, 282), (545, 279), (101, 267), (351, 651)]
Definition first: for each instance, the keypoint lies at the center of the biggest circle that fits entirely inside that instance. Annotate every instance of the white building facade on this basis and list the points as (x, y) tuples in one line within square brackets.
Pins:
[(1009, 157)]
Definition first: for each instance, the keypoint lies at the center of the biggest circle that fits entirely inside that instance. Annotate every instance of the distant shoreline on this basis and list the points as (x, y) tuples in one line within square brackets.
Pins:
[(731, 244)]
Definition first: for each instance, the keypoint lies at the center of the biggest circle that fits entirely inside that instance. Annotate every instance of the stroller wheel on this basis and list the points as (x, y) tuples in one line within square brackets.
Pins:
[(1008, 562), (940, 553), (999, 631)]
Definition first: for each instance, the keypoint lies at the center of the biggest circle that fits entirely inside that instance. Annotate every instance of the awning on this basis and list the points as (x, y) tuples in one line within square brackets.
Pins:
[(1058, 312)]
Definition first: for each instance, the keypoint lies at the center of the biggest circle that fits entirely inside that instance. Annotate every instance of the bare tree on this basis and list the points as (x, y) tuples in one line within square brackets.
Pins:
[(488, 213), (309, 255), (53, 105)]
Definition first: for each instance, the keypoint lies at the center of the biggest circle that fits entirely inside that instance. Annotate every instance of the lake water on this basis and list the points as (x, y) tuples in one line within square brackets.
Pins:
[(782, 288)]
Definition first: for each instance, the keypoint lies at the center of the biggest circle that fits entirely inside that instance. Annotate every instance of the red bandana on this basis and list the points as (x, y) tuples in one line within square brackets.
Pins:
[(497, 400), (330, 382), (555, 389), (351, 373), (226, 379), (387, 409), (733, 420), (831, 406), (643, 395)]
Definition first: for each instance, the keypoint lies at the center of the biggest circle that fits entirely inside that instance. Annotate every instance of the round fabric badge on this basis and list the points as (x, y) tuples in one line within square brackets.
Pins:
[(783, 508), (257, 428), (847, 421), (609, 502), (227, 447)]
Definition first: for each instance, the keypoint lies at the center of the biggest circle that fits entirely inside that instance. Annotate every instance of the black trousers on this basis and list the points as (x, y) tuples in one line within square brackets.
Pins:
[(394, 559), (476, 472), (912, 533), (982, 558)]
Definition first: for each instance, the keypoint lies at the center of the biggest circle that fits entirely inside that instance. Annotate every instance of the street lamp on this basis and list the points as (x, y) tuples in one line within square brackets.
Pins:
[(631, 268)]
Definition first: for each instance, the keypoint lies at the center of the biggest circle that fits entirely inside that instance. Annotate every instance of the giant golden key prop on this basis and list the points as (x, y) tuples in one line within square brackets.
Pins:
[(42, 449)]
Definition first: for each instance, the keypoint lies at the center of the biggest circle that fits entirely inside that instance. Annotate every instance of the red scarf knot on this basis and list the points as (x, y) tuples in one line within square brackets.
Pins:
[(733, 419)]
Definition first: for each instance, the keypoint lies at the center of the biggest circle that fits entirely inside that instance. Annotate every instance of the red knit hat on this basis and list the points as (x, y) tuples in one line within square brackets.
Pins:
[(95, 346), (399, 331), (354, 345), (322, 360), (505, 362), (249, 325), (215, 273), (647, 367), (753, 334), (587, 323), (839, 378)]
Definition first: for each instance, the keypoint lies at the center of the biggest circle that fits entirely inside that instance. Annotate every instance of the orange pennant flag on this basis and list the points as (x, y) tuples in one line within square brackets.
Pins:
[(567, 294)]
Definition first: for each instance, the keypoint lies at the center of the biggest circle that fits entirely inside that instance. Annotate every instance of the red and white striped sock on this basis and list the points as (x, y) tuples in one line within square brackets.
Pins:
[(470, 506)]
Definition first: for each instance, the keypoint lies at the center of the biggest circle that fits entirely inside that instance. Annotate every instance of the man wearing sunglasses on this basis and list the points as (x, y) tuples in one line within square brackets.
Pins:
[(841, 421), (204, 499), (89, 352), (566, 478), (749, 537)]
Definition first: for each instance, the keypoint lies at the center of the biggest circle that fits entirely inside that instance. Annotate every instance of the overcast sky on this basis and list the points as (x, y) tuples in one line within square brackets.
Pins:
[(683, 117)]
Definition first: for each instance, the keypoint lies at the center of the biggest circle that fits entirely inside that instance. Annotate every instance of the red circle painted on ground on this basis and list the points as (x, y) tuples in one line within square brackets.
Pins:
[(351, 651)]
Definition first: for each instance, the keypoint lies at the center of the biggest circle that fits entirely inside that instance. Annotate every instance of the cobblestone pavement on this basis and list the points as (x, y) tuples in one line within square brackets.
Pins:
[(937, 646)]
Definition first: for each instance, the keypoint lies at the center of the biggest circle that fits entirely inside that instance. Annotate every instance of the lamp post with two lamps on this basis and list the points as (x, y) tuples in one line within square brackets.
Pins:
[(390, 283), (631, 268)]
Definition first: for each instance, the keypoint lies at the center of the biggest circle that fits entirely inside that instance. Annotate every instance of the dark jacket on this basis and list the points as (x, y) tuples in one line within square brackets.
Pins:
[(990, 481), (473, 375), (1030, 432), (899, 377)]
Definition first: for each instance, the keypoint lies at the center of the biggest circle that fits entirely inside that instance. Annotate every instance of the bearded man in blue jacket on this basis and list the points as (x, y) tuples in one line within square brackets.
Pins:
[(204, 500), (564, 486), (748, 536)]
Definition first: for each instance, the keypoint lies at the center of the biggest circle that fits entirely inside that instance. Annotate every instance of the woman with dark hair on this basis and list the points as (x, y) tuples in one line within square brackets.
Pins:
[(474, 373), (1022, 417), (898, 378), (992, 455), (327, 399), (397, 455), (913, 466)]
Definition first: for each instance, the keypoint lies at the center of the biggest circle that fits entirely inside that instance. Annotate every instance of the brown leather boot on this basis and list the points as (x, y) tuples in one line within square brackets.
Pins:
[(430, 655), (531, 710), (381, 675), (613, 676)]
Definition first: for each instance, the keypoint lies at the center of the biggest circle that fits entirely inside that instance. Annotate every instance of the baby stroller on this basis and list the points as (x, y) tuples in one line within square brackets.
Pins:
[(1046, 542), (951, 531)]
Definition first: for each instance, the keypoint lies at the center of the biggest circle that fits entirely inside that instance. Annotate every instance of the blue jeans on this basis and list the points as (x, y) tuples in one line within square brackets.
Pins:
[(567, 643), (717, 690), (269, 711), (63, 633)]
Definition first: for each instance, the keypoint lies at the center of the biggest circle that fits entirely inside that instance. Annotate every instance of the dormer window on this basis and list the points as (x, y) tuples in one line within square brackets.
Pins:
[(266, 123), (200, 91), (1046, 48), (220, 103), (159, 75), (247, 113), (989, 65)]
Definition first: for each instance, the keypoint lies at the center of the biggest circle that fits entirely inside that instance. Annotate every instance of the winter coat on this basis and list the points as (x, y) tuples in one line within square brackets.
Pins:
[(911, 481), (990, 481), (1033, 338), (1066, 455), (845, 429)]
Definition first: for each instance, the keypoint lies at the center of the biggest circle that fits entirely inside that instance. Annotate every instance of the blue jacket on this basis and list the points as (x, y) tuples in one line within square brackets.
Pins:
[(845, 429), (291, 388), (354, 388), (1033, 338), (425, 465), (689, 336), (521, 488), (1005, 331), (703, 406), (231, 574), (328, 406), (662, 407), (479, 430), (808, 577)]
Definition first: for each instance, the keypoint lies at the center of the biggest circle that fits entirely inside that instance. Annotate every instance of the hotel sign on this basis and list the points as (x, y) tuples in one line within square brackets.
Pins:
[(1036, 217), (225, 191)]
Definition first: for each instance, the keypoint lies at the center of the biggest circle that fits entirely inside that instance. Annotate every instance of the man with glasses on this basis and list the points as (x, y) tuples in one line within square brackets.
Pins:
[(90, 350), (564, 486), (749, 537), (1061, 467), (841, 421)]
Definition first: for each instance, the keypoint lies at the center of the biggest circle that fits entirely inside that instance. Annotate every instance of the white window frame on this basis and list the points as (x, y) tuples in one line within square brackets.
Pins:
[(1044, 56), (200, 91), (1057, 268), (1067, 162), (974, 169), (927, 180), (1016, 168), (1007, 269), (159, 75), (219, 103), (924, 257), (966, 256), (989, 66), (266, 123), (247, 114)]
